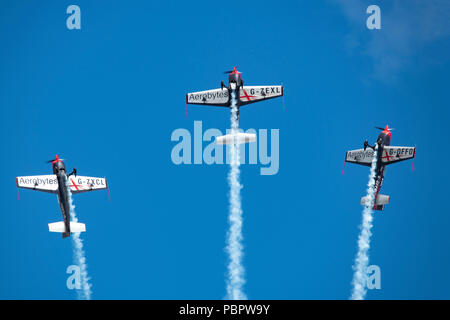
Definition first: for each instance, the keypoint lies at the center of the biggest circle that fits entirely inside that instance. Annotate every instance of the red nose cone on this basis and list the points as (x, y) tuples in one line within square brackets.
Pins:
[(386, 130), (56, 159), (235, 71)]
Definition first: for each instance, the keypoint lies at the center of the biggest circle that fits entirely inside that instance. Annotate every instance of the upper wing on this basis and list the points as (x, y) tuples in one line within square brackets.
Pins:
[(79, 184), (44, 183), (360, 156), (215, 97), (250, 94), (396, 154)]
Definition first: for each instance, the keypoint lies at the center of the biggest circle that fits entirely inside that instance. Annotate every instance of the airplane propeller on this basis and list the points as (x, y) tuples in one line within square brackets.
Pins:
[(50, 161), (382, 129), (228, 72)]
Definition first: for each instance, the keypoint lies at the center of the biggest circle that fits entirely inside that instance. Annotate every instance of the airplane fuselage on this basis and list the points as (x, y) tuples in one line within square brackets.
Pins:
[(235, 82), (59, 170), (384, 139)]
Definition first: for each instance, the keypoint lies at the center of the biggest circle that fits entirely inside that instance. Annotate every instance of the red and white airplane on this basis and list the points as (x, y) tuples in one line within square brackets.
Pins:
[(56, 183), (386, 155), (245, 95)]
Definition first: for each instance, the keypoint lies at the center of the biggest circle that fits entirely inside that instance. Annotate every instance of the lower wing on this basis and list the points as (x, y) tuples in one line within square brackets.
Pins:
[(251, 94), (393, 154), (215, 97), (360, 156), (45, 183), (80, 184)]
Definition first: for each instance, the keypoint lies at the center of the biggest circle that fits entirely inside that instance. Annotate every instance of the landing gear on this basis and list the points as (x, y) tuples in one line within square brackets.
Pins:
[(366, 144), (74, 172)]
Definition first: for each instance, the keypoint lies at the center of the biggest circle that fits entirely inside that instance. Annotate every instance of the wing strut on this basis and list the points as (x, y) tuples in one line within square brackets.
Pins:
[(107, 186), (343, 166)]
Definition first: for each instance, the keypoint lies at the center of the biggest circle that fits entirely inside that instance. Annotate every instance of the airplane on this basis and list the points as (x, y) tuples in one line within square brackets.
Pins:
[(56, 183), (245, 95), (386, 155)]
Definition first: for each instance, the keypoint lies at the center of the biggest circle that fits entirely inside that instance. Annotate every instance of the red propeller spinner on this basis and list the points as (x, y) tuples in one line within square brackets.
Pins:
[(234, 71), (53, 161), (386, 130)]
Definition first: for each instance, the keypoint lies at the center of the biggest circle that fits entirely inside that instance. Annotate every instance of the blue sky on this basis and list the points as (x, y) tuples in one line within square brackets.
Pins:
[(107, 98)]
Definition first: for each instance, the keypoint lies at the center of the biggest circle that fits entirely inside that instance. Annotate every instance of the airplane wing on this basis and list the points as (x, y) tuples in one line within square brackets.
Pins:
[(360, 156), (44, 183), (80, 184), (215, 97), (393, 154), (251, 94)]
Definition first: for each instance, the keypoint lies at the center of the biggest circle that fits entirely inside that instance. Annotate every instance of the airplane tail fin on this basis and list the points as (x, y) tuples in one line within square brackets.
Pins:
[(240, 138), (60, 227), (382, 200)]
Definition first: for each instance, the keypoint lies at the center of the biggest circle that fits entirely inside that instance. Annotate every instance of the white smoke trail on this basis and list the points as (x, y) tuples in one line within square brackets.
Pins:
[(362, 258), (234, 247), (78, 253)]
